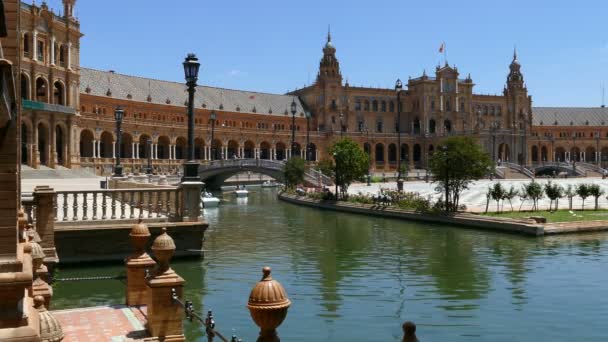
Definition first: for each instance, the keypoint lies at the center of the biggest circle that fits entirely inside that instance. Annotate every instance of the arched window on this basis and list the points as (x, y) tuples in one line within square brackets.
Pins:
[(448, 105), (375, 106), (366, 105), (383, 106), (25, 87), (26, 45), (432, 126), (391, 106)]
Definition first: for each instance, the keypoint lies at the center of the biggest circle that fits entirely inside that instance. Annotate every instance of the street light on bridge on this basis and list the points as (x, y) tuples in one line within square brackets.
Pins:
[(398, 88), (191, 68), (212, 117), (293, 125), (118, 115)]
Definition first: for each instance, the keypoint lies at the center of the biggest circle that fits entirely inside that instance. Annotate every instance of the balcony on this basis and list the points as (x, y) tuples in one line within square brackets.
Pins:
[(47, 107)]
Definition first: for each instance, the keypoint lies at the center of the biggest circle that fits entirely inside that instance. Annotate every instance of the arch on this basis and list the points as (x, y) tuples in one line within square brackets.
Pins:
[(216, 149), (379, 153), (543, 153), (366, 105), (249, 150), (264, 150), (312, 152), (280, 151), (43, 143), (560, 154), (367, 148), (181, 148), (145, 144), (86, 143), (590, 154), (59, 93), (575, 154), (391, 106), (126, 145), (416, 125), (162, 147), (383, 106), (604, 154), (504, 152), (42, 90), (25, 86), (405, 152), (417, 153), (296, 150), (60, 144), (535, 154), (447, 126), (106, 142), (392, 153), (233, 149), (25, 137), (375, 105), (431, 150), (199, 148), (432, 126)]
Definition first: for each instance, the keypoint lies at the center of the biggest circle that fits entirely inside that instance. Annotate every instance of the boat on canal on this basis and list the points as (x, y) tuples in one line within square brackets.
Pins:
[(209, 201)]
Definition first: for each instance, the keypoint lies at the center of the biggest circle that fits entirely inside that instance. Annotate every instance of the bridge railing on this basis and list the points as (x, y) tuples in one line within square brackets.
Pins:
[(263, 163), (519, 168), (590, 167)]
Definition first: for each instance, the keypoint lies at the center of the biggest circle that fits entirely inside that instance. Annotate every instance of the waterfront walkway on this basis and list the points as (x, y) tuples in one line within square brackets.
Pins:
[(103, 323)]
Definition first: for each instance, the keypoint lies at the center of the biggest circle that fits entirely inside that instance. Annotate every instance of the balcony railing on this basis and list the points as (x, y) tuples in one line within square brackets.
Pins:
[(48, 107)]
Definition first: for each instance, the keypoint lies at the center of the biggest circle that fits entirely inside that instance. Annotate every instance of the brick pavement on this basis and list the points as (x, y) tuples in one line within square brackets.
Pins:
[(103, 323)]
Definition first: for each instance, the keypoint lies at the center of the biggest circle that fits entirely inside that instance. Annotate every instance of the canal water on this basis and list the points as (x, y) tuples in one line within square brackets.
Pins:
[(357, 278)]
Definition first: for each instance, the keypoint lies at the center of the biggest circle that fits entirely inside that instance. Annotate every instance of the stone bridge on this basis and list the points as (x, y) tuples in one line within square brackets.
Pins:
[(556, 168), (215, 173)]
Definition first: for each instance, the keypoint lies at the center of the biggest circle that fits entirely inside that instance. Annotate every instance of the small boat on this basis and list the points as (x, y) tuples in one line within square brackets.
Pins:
[(209, 201), (269, 184), (241, 191)]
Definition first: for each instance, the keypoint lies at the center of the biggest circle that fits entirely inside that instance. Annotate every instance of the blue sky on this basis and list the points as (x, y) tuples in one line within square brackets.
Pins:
[(275, 46)]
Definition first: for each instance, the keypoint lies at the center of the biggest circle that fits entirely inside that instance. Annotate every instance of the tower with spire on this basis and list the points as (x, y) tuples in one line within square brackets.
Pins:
[(68, 8), (329, 67), (519, 107)]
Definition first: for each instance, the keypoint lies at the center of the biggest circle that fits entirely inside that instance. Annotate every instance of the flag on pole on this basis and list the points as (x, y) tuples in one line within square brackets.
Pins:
[(442, 47)]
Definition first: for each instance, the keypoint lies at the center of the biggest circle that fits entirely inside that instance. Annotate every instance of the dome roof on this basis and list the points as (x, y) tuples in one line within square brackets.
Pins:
[(268, 294)]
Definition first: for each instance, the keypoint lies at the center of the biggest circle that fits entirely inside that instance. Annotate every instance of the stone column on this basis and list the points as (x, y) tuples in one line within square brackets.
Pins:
[(69, 56), (114, 149), (190, 200), (53, 50), (137, 150), (165, 316), (137, 263), (44, 199), (171, 152), (35, 46)]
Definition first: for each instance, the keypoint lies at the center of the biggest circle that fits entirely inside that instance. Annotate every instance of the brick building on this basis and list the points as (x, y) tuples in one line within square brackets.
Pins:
[(69, 114)]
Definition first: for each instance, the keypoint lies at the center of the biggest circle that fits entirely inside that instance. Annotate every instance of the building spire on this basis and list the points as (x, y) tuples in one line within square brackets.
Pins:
[(329, 33), (514, 52)]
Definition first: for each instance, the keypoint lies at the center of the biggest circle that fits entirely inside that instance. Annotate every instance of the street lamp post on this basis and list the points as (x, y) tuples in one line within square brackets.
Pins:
[(335, 154), (493, 129), (597, 148), (293, 125), (191, 67), (149, 168), (308, 136), (571, 150), (212, 118), (444, 149), (118, 115), (398, 88), (369, 158)]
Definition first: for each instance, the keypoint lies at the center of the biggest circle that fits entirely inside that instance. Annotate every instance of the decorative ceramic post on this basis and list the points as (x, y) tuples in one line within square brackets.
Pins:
[(268, 304), (22, 224), (165, 317), (50, 329), (137, 263), (39, 286), (44, 198), (409, 332)]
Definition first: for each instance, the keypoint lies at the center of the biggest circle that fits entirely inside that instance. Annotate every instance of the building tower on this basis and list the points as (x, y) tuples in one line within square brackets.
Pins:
[(68, 8), (329, 85), (519, 109)]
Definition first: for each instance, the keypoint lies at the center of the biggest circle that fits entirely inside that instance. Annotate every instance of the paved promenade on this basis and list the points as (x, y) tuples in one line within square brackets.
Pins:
[(475, 197), (102, 323)]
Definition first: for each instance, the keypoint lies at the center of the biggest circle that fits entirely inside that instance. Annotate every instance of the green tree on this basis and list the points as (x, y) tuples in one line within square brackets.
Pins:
[(509, 196), (582, 190), (554, 192), (535, 192), (327, 167), (498, 193), (596, 191), (458, 162), (350, 163), (293, 171), (570, 192)]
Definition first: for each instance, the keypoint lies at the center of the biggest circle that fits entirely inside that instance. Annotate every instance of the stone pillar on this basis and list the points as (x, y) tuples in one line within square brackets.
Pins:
[(69, 55), (114, 149), (204, 152), (137, 263), (44, 199), (35, 46), (137, 150), (165, 316), (190, 200), (171, 156), (53, 50)]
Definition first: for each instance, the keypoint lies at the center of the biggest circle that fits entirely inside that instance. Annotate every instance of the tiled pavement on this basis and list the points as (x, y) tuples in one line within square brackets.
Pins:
[(102, 323)]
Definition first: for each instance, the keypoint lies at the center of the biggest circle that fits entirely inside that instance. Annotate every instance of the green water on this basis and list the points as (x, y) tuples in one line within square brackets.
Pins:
[(357, 278)]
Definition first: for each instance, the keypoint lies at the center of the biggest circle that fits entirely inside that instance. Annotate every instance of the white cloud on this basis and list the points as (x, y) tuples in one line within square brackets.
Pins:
[(236, 72)]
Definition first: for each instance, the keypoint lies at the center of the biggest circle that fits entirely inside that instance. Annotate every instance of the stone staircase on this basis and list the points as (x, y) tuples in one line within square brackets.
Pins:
[(58, 173)]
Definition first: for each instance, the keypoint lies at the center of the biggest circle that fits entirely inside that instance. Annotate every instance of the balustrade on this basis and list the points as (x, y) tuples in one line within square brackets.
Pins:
[(111, 204)]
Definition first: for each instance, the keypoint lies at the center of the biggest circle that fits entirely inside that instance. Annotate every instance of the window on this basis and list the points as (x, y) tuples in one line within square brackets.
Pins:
[(391, 107), (432, 105), (358, 105), (366, 105), (360, 126), (383, 106), (462, 106), (448, 105), (26, 45), (333, 104), (379, 126), (375, 106), (41, 51)]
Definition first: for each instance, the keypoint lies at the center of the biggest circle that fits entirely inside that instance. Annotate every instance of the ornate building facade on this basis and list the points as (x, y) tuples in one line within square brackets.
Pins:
[(69, 114)]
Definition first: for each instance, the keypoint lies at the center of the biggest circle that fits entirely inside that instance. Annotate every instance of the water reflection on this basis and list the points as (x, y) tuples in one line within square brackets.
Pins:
[(352, 276)]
